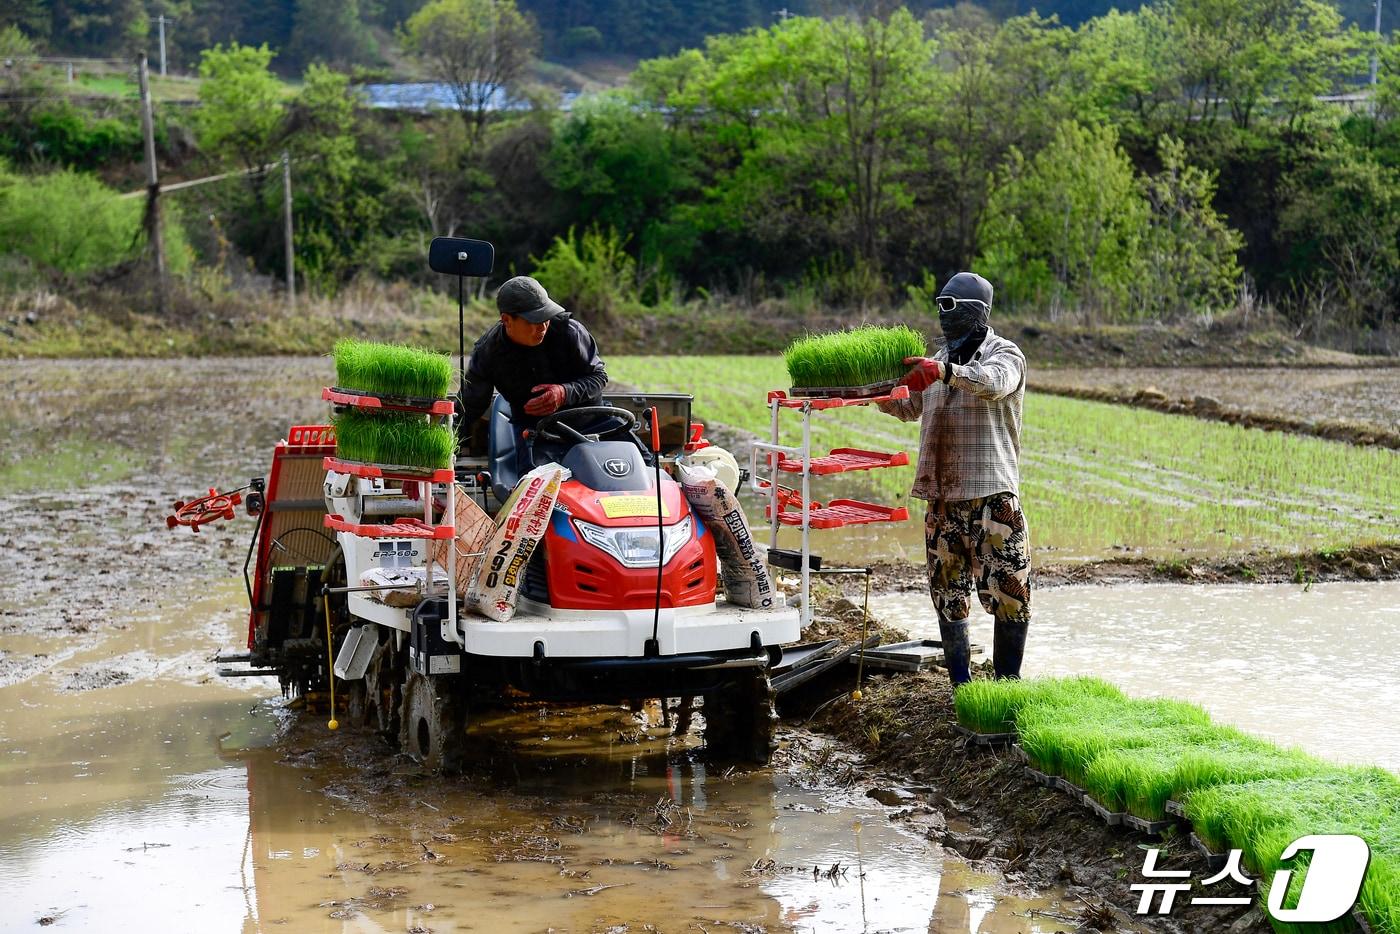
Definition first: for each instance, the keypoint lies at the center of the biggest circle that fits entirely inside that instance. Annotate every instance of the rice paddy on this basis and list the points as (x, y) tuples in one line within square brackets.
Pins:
[(1097, 479), (857, 357), (1238, 792), (401, 440), (391, 369)]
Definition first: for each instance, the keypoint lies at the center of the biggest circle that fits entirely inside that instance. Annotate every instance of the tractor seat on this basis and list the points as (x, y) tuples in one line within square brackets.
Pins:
[(501, 456)]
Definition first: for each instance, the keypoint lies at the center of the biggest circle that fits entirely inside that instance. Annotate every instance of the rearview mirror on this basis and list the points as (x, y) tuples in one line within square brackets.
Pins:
[(456, 256)]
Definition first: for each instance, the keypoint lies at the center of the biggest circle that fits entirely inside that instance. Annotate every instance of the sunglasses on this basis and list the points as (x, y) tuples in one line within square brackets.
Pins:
[(950, 302)]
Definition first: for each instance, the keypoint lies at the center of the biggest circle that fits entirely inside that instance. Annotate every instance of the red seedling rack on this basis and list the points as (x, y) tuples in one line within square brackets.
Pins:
[(839, 513), (842, 460), (389, 471), (404, 528), (380, 402)]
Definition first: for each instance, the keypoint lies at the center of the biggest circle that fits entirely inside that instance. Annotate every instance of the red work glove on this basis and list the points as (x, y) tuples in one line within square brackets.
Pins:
[(924, 374), (549, 397)]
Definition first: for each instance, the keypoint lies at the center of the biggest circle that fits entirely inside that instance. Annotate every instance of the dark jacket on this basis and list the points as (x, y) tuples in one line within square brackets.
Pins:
[(568, 356)]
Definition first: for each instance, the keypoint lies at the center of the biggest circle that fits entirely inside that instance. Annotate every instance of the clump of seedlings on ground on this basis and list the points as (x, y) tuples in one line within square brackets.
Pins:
[(1239, 792), (391, 369), (857, 357)]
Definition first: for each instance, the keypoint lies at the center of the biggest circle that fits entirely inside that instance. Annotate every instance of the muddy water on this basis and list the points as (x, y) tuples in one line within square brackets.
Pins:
[(1315, 668), (169, 801)]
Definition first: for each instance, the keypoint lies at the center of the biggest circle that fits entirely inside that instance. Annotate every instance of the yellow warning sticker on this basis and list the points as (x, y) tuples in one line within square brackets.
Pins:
[(631, 507)]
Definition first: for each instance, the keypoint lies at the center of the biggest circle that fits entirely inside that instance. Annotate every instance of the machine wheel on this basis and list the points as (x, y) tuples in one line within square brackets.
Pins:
[(434, 723), (740, 721), (384, 689)]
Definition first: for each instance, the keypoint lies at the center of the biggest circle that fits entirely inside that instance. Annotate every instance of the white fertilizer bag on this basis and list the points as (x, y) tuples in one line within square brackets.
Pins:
[(745, 576), (520, 525)]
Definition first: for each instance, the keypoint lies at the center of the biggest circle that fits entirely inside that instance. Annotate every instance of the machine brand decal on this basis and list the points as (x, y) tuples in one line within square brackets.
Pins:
[(617, 467), (632, 507)]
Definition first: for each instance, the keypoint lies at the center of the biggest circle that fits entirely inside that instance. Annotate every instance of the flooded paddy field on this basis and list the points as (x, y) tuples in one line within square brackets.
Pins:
[(143, 793), (1369, 396)]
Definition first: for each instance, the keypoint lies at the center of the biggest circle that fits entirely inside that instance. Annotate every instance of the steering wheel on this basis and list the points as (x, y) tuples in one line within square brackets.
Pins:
[(566, 424)]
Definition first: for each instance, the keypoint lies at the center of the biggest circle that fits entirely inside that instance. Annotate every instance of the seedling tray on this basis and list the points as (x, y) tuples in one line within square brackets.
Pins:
[(1214, 861), (845, 392), (914, 655), (1111, 818), (359, 399), (1175, 808), (1070, 788), (981, 739), (1153, 828), (1039, 777)]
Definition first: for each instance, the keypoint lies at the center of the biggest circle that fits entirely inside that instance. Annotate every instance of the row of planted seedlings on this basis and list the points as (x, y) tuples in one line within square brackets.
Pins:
[(1144, 762)]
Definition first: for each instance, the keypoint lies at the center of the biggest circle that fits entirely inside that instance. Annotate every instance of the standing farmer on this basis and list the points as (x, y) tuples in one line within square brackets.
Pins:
[(969, 397)]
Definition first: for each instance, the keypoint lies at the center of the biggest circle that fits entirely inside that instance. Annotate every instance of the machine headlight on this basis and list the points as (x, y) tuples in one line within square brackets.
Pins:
[(636, 547)]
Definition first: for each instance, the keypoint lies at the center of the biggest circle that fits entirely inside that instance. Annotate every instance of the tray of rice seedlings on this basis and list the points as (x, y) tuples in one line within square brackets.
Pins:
[(392, 371), (856, 363), (1261, 818), (990, 707), (1064, 739), (407, 442), (1140, 780)]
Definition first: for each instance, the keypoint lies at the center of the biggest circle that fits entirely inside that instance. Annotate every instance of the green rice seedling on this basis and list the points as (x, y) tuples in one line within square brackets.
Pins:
[(1261, 818), (1067, 738), (1141, 780), (403, 440), (857, 357), (991, 706), (392, 369)]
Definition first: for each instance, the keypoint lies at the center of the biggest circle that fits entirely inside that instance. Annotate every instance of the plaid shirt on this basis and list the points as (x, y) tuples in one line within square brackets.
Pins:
[(970, 437)]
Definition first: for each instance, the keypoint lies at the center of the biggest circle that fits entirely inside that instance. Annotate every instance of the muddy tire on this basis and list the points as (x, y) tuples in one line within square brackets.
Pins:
[(740, 722), (434, 723), (383, 690)]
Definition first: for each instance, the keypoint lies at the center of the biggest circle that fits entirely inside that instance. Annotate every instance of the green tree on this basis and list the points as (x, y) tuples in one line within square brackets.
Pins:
[(240, 113), (1188, 260), (480, 48), (1067, 224), (330, 32)]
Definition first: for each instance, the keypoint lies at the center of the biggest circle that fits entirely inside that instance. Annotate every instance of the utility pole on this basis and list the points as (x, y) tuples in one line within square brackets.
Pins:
[(161, 20), (153, 236), (287, 230), (1375, 64)]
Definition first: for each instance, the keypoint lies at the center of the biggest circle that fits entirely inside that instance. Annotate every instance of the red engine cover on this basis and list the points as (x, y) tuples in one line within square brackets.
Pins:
[(584, 577)]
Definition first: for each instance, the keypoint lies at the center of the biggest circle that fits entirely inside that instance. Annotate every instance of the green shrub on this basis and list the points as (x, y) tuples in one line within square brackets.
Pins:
[(857, 357), (592, 274), (403, 440), (392, 369), (70, 222)]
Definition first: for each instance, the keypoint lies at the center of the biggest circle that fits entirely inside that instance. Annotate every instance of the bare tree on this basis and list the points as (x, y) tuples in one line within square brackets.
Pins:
[(478, 48)]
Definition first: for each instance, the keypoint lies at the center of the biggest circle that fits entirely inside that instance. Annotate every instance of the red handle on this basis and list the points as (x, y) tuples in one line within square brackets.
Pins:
[(655, 432)]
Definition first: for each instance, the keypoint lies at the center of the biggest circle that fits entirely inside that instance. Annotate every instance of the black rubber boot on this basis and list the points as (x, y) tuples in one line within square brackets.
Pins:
[(1008, 645), (957, 651)]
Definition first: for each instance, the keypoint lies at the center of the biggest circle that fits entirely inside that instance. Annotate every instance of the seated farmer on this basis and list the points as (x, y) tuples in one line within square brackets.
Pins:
[(537, 356), (969, 398)]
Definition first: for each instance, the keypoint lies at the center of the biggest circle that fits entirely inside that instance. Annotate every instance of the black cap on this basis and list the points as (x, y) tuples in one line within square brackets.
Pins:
[(526, 298), (968, 285)]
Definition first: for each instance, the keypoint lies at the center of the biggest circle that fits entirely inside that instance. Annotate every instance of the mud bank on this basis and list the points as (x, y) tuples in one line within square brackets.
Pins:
[(1372, 563), (1211, 409)]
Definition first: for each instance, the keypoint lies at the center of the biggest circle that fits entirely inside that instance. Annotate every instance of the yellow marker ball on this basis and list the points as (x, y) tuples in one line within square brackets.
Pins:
[(855, 695), (334, 725)]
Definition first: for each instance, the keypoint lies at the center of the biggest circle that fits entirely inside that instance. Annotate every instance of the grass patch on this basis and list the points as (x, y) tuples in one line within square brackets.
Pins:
[(857, 357), (404, 440), (392, 369)]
